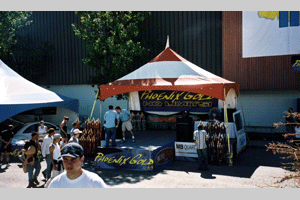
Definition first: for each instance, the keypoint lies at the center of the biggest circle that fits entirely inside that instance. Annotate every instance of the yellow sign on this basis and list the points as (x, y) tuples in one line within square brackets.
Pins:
[(122, 160), (297, 63)]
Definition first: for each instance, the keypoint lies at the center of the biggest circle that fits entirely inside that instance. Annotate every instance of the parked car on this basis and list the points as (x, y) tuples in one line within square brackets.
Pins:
[(24, 133)]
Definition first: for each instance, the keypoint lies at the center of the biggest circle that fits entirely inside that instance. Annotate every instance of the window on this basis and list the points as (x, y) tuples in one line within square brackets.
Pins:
[(31, 129)]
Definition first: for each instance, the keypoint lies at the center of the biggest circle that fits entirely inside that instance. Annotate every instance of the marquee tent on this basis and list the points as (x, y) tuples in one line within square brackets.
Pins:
[(170, 71), (19, 95)]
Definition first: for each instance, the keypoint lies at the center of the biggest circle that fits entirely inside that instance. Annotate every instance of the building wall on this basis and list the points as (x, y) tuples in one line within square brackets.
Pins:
[(268, 87), (264, 108), (197, 36), (65, 67), (259, 73), (86, 96)]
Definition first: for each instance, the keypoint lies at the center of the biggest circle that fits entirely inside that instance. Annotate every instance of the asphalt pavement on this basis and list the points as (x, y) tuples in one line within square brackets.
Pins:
[(253, 168)]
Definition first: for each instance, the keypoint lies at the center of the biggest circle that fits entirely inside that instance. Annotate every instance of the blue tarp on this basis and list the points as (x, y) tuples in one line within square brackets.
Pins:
[(7, 110)]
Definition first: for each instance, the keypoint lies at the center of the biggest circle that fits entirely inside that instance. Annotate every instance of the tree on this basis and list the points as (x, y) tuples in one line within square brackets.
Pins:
[(112, 42), (10, 24), (30, 56)]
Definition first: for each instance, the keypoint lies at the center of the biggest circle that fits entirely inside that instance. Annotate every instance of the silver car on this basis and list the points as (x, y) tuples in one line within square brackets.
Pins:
[(25, 132)]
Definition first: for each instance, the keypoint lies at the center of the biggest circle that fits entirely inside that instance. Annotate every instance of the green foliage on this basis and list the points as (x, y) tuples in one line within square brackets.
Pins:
[(10, 23), (19, 51), (112, 41)]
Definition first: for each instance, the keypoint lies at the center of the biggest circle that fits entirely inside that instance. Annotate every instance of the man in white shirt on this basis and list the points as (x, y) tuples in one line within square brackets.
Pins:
[(200, 137), (46, 153), (74, 176)]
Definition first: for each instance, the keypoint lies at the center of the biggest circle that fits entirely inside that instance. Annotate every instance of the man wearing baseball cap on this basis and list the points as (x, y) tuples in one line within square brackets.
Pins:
[(75, 137), (74, 176)]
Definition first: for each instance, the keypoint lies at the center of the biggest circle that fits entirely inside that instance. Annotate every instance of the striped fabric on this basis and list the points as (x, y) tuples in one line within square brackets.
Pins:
[(199, 137)]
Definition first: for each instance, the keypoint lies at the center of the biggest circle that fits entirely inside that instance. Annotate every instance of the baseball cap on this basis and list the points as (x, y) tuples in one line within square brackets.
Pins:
[(72, 149), (77, 131)]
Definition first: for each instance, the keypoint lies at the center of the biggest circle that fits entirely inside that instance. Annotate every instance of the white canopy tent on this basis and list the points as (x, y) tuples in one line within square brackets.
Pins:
[(19, 95), (170, 71)]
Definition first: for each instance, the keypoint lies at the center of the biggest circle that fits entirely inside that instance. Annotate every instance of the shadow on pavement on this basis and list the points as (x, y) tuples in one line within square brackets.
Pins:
[(244, 165)]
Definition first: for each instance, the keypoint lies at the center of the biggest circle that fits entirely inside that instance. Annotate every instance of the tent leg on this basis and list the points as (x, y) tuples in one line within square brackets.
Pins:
[(101, 113), (227, 130)]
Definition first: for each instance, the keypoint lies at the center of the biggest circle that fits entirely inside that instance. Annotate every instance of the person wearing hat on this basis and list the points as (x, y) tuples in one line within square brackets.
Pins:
[(29, 145), (75, 137), (48, 140), (55, 157), (74, 176), (6, 146), (200, 137)]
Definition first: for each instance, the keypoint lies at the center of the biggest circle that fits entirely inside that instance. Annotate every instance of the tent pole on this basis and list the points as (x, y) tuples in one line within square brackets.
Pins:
[(94, 105), (227, 130), (100, 110)]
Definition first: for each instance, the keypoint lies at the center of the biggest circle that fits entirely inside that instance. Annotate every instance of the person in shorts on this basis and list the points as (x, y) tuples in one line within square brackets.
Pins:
[(124, 116), (6, 146)]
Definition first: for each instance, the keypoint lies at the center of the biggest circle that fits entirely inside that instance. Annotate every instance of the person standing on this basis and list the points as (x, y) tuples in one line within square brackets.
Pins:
[(110, 118), (42, 129), (48, 140), (75, 137), (74, 176), (75, 126), (6, 146), (64, 130), (200, 137), (55, 157), (32, 177), (124, 116)]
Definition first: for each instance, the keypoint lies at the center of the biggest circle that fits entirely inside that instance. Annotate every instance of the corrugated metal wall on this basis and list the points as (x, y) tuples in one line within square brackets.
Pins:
[(197, 36), (259, 73), (65, 65)]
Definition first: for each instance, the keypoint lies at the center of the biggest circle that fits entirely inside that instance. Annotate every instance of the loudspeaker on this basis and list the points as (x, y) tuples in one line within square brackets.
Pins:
[(184, 129), (230, 112), (119, 131)]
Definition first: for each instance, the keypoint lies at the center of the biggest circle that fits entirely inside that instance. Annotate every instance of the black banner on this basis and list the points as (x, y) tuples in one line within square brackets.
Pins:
[(175, 101)]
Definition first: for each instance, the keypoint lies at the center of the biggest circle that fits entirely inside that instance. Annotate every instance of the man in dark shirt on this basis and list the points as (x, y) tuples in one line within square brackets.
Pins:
[(32, 178), (6, 146)]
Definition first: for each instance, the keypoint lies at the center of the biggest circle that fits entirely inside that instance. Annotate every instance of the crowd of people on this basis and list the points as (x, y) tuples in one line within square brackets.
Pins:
[(62, 153)]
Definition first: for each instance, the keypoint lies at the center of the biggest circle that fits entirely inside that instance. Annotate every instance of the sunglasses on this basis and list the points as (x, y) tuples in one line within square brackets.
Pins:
[(75, 151)]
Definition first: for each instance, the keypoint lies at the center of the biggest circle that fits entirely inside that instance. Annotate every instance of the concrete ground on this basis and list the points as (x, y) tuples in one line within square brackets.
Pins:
[(253, 168)]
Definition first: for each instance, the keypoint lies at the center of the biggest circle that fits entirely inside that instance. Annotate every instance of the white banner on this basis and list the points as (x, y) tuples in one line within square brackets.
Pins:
[(186, 149), (263, 37)]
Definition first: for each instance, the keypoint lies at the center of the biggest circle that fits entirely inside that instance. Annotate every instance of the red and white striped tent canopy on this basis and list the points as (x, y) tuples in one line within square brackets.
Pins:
[(170, 71)]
